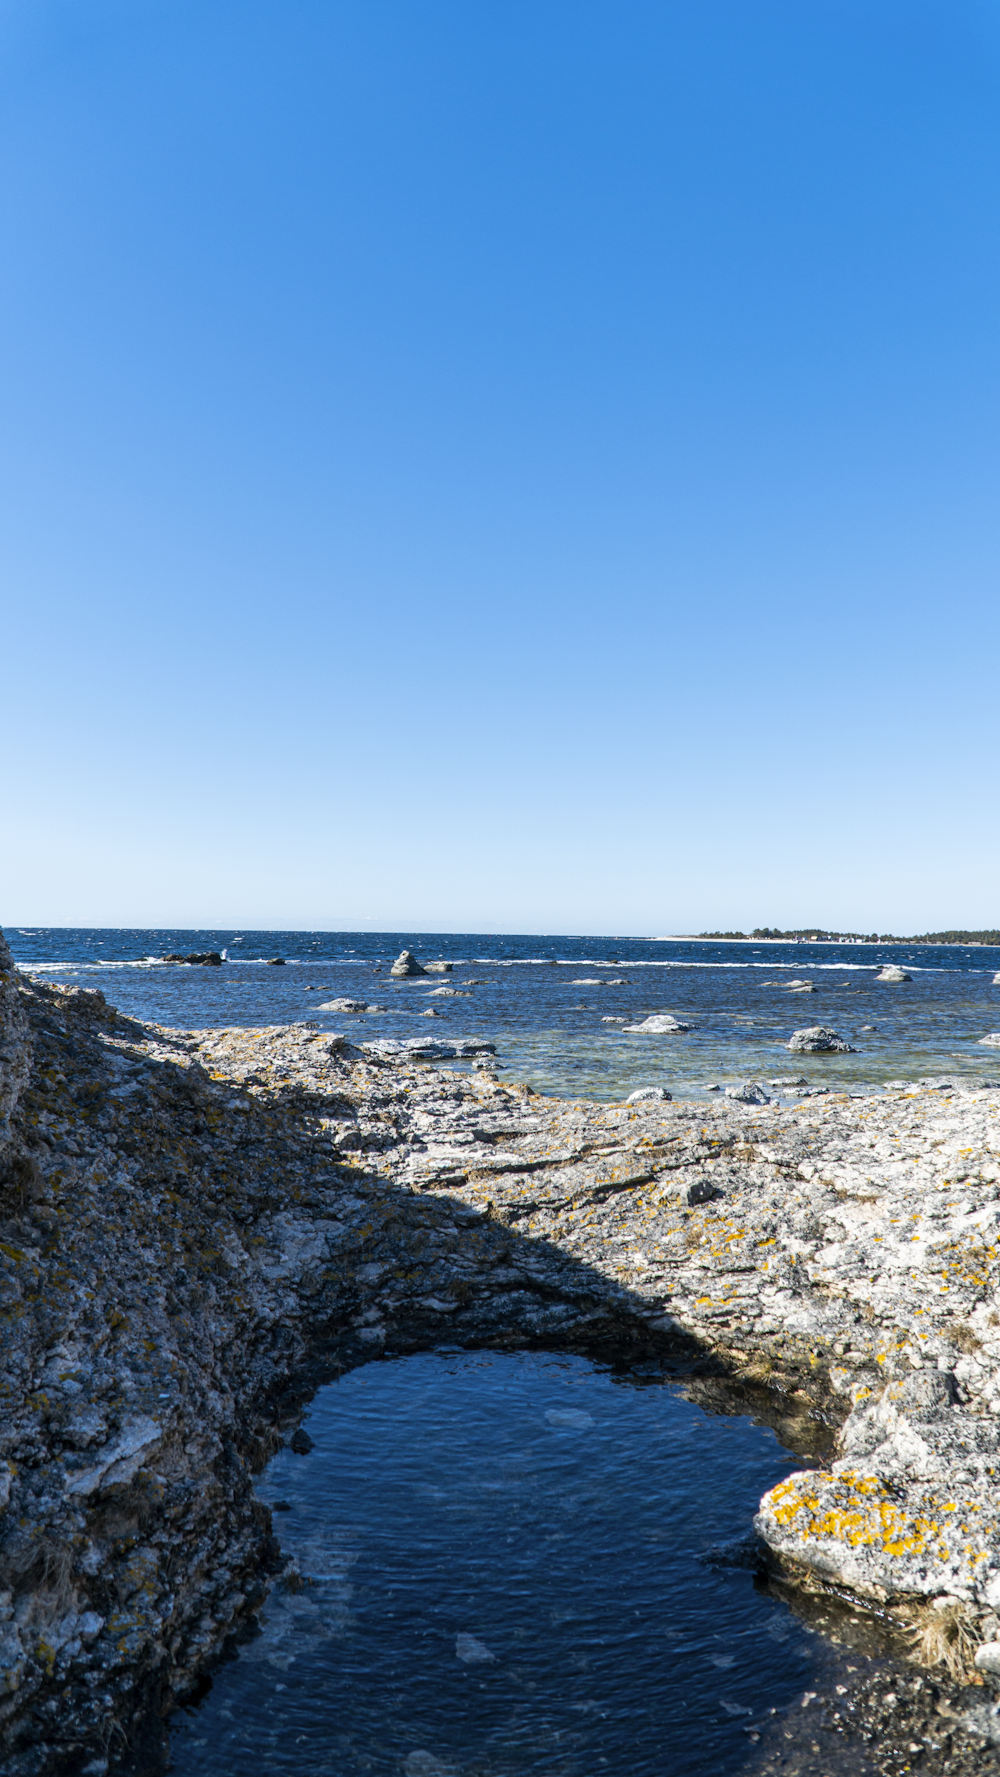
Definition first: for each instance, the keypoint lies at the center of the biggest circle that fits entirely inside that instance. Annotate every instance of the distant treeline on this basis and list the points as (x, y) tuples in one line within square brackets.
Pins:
[(818, 932)]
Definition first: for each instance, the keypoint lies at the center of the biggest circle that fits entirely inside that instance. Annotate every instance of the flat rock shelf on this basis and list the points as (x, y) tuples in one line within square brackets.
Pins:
[(201, 1228)]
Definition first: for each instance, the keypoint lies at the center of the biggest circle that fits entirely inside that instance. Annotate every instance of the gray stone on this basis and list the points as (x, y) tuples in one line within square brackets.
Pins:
[(661, 1024), (344, 1005), (892, 972), (992, 1041), (817, 1040), (406, 964), (437, 968), (748, 1093), (651, 1093)]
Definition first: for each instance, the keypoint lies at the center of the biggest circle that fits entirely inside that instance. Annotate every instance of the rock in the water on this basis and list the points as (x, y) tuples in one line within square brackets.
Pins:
[(301, 1442), (473, 1651), (893, 972), (996, 979), (435, 968), (406, 964), (801, 987), (748, 1093), (646, 1092), (660, 1025), (207, 958), (992, 1041), (343, 1005), (447, 993), (427, 1048), (817, 1040), (612, 1020), (431, 1012), (787, 1080), (275, 962)]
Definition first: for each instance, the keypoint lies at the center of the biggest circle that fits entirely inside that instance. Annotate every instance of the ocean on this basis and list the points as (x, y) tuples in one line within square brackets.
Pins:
[(558, 1008)]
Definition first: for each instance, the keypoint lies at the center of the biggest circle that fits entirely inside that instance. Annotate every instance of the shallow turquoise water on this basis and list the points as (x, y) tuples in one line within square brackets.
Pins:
[(504, 1565), (545, 1002)]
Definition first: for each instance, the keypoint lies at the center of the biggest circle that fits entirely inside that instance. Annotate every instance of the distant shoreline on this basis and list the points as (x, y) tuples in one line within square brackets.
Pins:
[(834, 943)]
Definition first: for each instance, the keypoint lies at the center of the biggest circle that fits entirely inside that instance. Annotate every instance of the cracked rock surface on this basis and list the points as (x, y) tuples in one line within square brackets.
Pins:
[(197, 1227)]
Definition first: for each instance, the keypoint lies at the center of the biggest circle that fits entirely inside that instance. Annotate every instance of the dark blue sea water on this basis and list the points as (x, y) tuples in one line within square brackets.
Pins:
[(505, 1573), (544, 1000)]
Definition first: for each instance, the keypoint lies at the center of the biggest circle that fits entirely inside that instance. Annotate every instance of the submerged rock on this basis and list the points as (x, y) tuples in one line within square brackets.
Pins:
[(661, 1024), (817, 1040)]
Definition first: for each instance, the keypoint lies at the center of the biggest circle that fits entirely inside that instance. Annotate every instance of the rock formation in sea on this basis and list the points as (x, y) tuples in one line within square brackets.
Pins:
[(817, 1040)]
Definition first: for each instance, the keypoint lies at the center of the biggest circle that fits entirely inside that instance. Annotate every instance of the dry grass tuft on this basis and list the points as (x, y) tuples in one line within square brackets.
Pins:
[(947, 1638)]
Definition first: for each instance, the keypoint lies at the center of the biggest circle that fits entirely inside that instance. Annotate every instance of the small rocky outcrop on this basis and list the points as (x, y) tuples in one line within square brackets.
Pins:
[(437, 968), (748, 1093), (406, 965), (817, 1040), (892, 972), (661, 1024), (210, 959)]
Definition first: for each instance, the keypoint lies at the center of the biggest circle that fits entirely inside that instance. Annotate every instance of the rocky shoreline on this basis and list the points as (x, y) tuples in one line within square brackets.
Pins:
[(198, 1227)]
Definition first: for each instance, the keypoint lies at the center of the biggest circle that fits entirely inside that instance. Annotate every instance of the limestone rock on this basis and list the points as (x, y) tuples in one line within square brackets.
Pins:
[(344, 1005), (992, 1041), (748, 1093), (436, 968), (893, 972), (427, 1048), (406, 964), (662, 1024), (817, 1040), (652, 1093)]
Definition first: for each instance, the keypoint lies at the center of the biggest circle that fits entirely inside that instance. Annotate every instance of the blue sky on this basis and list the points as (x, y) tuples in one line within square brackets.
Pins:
[(511, 466)]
